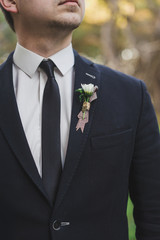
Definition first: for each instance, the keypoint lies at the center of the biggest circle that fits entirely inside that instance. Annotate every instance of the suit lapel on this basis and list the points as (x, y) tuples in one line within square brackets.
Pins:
[(11, 125), (85, 73)]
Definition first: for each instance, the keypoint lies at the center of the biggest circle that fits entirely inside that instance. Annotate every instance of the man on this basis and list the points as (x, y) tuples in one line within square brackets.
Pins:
[(71, 179)]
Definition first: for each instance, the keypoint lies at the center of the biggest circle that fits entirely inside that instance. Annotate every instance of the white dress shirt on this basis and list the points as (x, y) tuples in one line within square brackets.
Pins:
[(29, 83)]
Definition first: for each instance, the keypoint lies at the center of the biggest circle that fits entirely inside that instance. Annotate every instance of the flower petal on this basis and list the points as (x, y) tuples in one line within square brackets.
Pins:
[(89, 88)]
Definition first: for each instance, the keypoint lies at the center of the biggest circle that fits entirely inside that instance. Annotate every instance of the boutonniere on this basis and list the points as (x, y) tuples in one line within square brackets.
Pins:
[(87, 95)]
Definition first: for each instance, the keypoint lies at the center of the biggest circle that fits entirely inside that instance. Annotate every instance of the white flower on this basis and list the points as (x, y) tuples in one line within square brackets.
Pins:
[(88, 88)]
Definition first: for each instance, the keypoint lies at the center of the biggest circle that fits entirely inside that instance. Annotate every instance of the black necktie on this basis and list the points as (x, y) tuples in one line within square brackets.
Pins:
[(51, 151)]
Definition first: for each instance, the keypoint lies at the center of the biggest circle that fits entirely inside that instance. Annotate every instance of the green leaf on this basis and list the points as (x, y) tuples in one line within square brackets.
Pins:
[(80, 90), (81, 97)]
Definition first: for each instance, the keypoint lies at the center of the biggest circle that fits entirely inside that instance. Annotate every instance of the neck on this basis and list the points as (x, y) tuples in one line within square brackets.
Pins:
[(45, 46)]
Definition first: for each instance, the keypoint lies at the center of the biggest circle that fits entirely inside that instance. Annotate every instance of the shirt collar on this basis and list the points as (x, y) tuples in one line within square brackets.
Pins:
[(29, 61)]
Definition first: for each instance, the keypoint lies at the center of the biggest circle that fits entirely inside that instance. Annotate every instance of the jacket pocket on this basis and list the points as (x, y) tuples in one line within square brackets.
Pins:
[(112, 140)]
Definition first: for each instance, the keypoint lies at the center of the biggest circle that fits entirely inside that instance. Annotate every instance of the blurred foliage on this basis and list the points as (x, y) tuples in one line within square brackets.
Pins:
[(131, 224), (125, 35), (7, 39)]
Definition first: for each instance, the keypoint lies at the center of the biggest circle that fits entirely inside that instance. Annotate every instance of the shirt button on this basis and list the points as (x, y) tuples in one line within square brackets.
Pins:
[(56, 225)]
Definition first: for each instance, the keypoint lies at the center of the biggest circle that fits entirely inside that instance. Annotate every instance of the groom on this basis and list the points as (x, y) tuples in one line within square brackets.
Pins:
[(66, 167)]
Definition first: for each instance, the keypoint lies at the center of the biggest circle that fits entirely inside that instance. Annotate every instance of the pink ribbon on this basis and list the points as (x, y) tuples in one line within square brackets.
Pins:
[(84, 118)]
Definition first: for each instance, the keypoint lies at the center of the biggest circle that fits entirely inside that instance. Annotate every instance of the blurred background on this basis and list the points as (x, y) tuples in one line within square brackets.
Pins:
[(122, 34), (125, 35)]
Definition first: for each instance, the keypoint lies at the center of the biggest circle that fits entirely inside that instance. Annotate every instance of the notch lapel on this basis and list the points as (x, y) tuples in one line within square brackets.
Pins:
[(85, 73), (12, 128)]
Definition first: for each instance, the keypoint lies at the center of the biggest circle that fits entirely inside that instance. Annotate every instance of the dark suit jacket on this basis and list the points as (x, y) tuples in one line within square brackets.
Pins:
[(119, 152)]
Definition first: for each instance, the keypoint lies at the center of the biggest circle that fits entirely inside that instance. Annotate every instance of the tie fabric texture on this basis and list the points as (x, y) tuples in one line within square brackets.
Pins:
[(51, 150)]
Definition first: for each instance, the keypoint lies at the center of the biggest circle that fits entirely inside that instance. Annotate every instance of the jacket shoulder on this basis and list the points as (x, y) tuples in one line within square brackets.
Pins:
[(117, 76), (114, 77), (8, 60)]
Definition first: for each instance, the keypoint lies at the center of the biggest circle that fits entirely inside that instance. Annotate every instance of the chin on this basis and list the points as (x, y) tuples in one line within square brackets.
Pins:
[(66, 23), (67, 26)]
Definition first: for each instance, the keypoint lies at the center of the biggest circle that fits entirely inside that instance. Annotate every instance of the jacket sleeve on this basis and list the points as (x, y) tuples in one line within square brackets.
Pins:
[(144, 183)]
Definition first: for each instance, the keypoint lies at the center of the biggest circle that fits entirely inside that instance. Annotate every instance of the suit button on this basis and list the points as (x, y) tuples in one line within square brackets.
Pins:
[(57, 225)]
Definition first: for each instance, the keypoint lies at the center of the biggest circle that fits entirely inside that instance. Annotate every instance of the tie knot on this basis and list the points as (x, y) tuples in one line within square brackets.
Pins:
[(48, 67)]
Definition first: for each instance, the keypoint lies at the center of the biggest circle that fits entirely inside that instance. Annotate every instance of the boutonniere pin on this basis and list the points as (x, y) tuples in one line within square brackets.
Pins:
[(87, 95)]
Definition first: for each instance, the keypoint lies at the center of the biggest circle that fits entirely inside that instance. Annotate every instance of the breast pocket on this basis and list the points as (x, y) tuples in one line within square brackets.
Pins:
[(113, 149), (112, 140)]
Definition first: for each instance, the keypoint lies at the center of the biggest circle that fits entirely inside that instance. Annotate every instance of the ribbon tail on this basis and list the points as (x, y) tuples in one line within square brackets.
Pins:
[(82, 122), (80, 125)]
